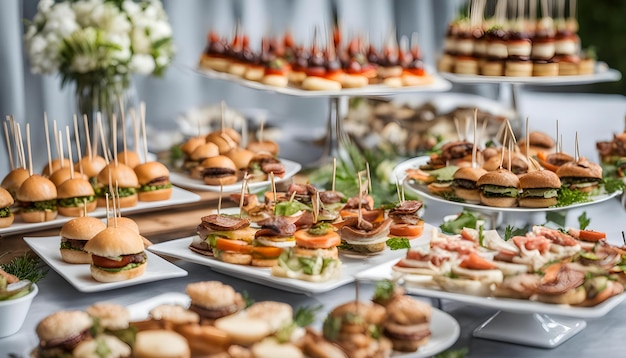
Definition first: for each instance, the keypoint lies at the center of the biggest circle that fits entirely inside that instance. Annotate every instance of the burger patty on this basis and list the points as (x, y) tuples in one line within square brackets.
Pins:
[(75, 244), (159, 181), (215, 312), (217, 172), (66, 344), (465, 184)]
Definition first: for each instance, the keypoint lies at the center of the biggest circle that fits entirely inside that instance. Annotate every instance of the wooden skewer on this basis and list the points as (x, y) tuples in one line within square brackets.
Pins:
[(475, 145), (78, 149), (334, 173), (273, 183), (219, 200), (88, 148), (114, 130), (222, 116), (58, 145), (104, 144), (503, 148), (61, 150), (30, 155), (106, 197), (45, 127), (398, 190), (360, 214), (8, 143), (21, 154), (142, 119), (123, 117), (117, 203), (457, 128), (69, 150), (243, 192), (576, 150), (135, 123), (527, 142)]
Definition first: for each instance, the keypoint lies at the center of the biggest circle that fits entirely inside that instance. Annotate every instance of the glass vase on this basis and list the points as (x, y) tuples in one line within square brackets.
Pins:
[(107, 97)]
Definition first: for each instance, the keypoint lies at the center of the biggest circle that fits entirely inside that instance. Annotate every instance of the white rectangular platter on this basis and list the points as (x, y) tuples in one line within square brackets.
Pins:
[(79, 276)]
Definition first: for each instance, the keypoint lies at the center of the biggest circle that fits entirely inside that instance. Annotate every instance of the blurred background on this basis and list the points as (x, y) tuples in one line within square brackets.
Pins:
[(27, 96)]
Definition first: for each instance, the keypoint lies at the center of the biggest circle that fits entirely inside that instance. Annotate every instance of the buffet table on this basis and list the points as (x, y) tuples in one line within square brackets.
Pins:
[(596, 117)]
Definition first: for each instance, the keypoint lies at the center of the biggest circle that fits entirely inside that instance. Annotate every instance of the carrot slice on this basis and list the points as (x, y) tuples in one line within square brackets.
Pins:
[(406, 230), (233, 245), (590, 235), (476, 262), (328, 240)]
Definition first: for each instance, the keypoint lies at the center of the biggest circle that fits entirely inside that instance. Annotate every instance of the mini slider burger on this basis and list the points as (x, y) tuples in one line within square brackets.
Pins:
[(499, 188), (315, 256), (14, 180), (407, 323), (75, 197), (38, 199), (276, 232), (465, 184), (60, 332), (540, 189), (219, 170), (118, 176), (355, 327), (581, 175), (75, 234), (212, 299), (117, 254), (262, 164), (154, 181), (6, 201), (360, 235)]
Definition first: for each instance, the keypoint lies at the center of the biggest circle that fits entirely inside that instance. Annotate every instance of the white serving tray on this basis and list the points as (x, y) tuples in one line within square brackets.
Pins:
[(79, 276)]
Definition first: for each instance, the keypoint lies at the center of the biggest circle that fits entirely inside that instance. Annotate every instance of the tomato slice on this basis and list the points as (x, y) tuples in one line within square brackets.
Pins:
[(233, 245), (406, 230), (590, 235), (269, 252), (328, 240), (474, 261), (104, 262)]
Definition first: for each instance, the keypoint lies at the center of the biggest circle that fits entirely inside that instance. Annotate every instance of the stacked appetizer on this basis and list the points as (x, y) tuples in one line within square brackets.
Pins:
[(299, 233), (561, 266), (510, 178), (520, 45), (218, 322), (279, 61)]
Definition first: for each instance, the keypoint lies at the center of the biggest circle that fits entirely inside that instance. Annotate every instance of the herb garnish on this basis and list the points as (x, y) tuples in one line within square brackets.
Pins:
[(26, 267), (397, 243), (510, 231), (583, 221)]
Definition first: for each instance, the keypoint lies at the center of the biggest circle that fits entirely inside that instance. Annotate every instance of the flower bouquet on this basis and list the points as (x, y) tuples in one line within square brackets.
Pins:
[(98, 45)]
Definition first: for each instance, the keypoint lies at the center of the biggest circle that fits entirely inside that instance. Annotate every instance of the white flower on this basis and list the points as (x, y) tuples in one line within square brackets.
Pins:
[(143, 64), (98, 36)]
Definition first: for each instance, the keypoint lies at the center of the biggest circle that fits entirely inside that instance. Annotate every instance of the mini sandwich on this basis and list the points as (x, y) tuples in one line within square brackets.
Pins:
[(499, 188), (194, 160), (213, 299), (129, 157), (103, 342), (407, 323), (355, 327), (38, 199), (464, 184), (121, 177), (117, 254), (160, 343), (363, 236), (581, 175), (6, 201), (76, 197), (540, 189), (14, 180), (561, 284), (538, 142), (154, 181), (406, 220), (60, 332), (224, 139), (228, 238), (75, 234), (315, 256), (91, 166), (241, 157), (267, 146), (219, 170), (63, 174), (262, 164)]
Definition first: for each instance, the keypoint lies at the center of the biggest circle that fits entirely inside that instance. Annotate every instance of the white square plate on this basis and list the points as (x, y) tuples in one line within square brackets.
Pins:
[(79, 276)]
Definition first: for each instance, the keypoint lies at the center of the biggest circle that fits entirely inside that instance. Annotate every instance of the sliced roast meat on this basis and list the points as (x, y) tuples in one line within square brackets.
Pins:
[(223, 222)]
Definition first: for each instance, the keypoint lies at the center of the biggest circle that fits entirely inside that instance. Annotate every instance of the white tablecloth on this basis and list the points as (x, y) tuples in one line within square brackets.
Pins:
[(595, 117)]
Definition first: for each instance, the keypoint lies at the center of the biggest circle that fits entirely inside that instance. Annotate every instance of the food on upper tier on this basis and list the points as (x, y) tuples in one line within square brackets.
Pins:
[(6, 201), (38, 199), (281, 63), (517, 46)]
